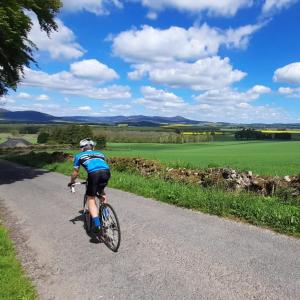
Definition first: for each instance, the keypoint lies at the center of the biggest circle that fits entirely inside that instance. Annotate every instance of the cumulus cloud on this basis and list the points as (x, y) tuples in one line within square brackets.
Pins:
[(242, 113), (4, 100), (84, 108), (43, 97), (223, 105), (23, 95), (162, 100), (175, 43), (271, 6), (113, 109), (98, 7), (290, 92), (67, 83), (229, 97), (152, 15), (93, 69), (217, 7), (288, 74), (60, 45), (204, 74)]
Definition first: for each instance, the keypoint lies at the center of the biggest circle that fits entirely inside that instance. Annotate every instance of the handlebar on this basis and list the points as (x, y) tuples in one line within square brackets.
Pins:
[(77, 183)]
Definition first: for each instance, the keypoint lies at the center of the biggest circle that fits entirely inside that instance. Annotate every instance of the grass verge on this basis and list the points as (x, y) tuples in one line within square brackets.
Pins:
[(13, 283), (267, 212)]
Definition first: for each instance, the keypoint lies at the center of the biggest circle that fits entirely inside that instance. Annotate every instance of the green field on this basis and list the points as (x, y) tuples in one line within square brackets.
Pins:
[(264, 158)]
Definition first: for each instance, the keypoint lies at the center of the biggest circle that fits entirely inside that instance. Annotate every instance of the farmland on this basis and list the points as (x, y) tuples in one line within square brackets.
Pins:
[(194, 147), (265, 158)]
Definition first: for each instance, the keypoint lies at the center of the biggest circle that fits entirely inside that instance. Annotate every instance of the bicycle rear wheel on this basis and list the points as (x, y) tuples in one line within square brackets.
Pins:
[(111, 233)]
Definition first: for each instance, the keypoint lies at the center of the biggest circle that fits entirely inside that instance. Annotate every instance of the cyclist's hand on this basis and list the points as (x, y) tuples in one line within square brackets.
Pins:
[(70, 184)]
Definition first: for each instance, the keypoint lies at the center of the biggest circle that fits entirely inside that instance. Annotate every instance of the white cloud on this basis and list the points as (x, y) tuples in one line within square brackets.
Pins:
[(93, 69), (225, 8), (242, 113), (229, 97), (224, 105), (105, 93), (259, 89), (290, 92), (204, 74), (175, 43), (67, 83), (111, 109), (98, 7), (84, 108), (152, 15), (288, 74), (61, 43), (4, 100), (43, 97), (23, 95), (285, 90), (276, 5), (161, 100)]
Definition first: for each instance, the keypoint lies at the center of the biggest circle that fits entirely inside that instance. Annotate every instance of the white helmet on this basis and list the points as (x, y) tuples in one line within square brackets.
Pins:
[(86, 142)]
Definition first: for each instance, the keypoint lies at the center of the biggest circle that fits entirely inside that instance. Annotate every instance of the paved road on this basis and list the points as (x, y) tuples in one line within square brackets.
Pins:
[(166, 252)]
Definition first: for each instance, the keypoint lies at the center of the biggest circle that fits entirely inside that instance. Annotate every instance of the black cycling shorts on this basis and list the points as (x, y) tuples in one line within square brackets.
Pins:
[(97, 181)]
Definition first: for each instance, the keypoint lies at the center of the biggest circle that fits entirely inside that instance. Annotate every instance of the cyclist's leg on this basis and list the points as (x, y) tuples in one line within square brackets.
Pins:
[(91, 201), (102, 183)]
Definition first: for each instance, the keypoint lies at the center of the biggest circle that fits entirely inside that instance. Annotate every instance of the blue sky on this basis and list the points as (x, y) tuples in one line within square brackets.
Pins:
[(232, 61)]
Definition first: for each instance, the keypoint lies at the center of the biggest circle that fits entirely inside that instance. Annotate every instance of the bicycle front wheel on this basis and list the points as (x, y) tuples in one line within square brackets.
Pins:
[(111, 233)]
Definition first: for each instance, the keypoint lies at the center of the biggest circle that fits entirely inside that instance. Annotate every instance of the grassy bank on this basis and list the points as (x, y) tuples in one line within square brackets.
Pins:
[(257, 210), (13, 283)]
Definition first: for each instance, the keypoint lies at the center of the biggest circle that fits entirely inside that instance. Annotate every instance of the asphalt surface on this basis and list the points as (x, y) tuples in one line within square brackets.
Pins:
[(166, 252)]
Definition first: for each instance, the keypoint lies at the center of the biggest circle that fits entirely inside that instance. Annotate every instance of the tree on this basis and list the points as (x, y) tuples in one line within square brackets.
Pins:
[(16, 50), (43, 138), (100, 140), (70, 134)]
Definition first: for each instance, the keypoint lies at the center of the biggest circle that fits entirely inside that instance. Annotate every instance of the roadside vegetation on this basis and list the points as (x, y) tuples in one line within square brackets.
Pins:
[(269, 212), (13, 283)]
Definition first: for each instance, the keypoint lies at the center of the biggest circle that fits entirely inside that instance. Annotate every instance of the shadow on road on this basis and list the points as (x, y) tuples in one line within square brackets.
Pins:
[(11, 172), (80, 218)]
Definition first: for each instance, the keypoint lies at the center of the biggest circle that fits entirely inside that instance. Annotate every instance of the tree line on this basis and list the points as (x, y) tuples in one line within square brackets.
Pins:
[(70, 134), (251, 134)]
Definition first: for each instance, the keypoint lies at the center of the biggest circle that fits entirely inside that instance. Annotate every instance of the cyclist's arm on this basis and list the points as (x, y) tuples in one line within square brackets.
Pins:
[(74, 175), (76, 165)]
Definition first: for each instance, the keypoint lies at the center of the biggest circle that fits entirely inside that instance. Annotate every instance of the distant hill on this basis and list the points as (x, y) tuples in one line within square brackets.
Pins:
[(139, 120), (132, 120), (2, 110), (27, 116), (136, 120)]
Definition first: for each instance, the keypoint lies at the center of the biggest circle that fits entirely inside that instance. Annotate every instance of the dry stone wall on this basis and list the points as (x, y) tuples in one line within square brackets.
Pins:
[(226, 178), (286, 187)]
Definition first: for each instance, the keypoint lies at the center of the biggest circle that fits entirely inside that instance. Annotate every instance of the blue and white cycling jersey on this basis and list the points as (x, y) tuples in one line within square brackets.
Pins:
[(91, 160)]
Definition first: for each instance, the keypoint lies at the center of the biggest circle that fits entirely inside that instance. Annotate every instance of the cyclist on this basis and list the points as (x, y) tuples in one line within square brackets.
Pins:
[(98, 175)]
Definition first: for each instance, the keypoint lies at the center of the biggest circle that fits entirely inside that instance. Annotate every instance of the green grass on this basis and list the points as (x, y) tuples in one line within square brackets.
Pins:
[(257, 210), (266, 212), (13, 283), (263, 158)]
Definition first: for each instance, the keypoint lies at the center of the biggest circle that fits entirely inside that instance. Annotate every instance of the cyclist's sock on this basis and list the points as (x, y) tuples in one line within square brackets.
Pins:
[(96, 222)]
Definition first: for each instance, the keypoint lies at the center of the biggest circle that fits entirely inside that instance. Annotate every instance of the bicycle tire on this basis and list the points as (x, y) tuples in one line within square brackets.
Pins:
[(111, 232)]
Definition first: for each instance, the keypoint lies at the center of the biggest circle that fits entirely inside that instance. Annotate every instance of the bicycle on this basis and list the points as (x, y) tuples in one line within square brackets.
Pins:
[(110, 230)]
